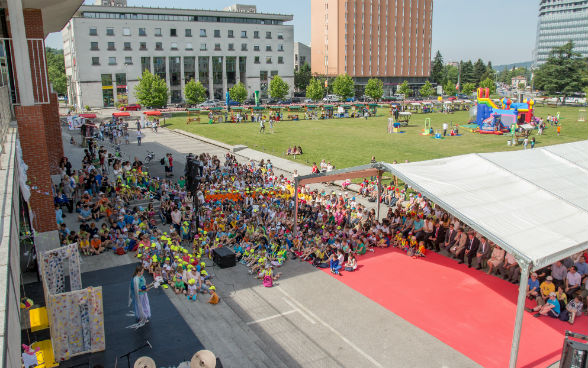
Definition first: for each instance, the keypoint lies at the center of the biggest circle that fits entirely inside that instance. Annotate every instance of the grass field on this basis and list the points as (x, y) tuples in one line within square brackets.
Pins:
[(350, 142)]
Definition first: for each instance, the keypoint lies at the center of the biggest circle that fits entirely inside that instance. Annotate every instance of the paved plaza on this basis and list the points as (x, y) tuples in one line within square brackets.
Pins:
[(309, 319)]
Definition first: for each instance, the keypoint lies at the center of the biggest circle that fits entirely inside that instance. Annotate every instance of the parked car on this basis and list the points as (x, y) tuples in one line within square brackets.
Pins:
[(131, 107), (210, 103), (308, 100), (331, 98), (233, 103), (286, 101)]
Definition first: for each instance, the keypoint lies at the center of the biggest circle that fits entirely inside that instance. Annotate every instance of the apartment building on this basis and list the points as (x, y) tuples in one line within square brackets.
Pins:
[(386, 39), (108, 47)]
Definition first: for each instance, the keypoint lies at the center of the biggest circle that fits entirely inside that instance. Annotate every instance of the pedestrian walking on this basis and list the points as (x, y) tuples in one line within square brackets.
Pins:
[(261, 126), (139, 136), (558, 130)]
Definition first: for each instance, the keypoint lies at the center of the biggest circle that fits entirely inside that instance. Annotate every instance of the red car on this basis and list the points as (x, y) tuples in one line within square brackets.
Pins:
[(131, 107)]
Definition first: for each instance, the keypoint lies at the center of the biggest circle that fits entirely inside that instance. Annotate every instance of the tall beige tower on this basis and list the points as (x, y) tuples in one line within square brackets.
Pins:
[(372, 38)]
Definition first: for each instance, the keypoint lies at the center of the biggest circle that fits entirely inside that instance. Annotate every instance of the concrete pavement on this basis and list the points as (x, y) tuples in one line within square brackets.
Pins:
[(309, 319)]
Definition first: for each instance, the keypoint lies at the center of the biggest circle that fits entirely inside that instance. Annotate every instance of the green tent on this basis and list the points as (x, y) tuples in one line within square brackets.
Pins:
[(193, 109)]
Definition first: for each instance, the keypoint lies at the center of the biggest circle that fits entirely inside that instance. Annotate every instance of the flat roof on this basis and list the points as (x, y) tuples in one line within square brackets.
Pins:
[(183, 11)]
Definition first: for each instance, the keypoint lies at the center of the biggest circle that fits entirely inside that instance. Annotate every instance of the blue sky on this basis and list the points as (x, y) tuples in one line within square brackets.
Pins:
[(502, 31)]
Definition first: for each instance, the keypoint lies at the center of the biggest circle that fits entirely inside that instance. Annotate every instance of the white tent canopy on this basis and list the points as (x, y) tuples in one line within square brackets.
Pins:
[(532, 203)]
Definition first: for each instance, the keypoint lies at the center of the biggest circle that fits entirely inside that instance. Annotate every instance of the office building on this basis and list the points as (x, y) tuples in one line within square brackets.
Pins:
[(301, 54), (561, 21), (386, 39), (108, 47)]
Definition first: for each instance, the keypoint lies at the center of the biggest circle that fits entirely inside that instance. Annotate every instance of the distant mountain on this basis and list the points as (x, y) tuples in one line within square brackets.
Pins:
[(524, 64)]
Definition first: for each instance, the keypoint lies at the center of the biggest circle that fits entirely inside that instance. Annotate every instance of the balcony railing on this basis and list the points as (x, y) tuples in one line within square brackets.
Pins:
[(39, 76)]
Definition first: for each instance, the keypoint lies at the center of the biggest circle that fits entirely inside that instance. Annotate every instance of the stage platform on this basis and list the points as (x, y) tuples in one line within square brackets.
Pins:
[(465, 308)]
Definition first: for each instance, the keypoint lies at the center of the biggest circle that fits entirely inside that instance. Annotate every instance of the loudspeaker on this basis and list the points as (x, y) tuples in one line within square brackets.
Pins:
[(224, 257)]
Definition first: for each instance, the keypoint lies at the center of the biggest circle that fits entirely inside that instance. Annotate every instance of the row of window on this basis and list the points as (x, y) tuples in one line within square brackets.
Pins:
[(184, 18), (111, 46), (129, 60), (173, 32)]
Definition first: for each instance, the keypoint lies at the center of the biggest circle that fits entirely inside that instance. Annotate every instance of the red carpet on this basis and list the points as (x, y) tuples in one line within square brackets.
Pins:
[(467, 309)]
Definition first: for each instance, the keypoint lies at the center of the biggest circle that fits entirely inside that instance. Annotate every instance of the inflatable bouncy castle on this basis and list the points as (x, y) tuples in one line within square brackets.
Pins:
[(492, 119)]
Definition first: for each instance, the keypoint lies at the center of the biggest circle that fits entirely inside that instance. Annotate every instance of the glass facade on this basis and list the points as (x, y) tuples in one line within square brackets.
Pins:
[(145, 63), (189, 68), (107, 92), (561, 21), (263, 83), (122, 95), (217, 76), (204, 71), (231, 70), (243, 69), (175, 79), (159, 67)]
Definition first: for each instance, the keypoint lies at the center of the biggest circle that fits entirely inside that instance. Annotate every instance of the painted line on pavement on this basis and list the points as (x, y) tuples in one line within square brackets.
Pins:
[(272, 317), (290, 303), (355, 347)]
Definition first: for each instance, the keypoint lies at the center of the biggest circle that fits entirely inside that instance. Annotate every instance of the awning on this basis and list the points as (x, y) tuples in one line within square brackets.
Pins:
[(121, 113), (152, 113), (87, 116)]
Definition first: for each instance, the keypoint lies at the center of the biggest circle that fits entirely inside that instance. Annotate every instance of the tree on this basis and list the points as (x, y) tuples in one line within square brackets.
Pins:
[(468, 88), (344, 87), (195, 92), (479, 71), (521, 85), (239, 93), (278, 89), (564, 72), (489, 73), (467, 73), (450, 73), (56, 70), (427, 89), (374, 88), (302, 77), (449, 88), (488, 83), (315, 90), (404, 89), (151, 91), (437, 72)]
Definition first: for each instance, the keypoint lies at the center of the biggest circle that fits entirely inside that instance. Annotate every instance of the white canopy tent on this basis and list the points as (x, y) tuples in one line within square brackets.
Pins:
[(532, 203)]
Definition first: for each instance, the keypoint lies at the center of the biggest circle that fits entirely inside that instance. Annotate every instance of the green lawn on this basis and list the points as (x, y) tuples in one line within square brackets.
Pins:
[(350, 142)]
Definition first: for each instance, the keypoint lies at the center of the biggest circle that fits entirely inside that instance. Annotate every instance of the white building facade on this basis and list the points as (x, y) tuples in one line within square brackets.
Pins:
[(107, 49), (301, 55)]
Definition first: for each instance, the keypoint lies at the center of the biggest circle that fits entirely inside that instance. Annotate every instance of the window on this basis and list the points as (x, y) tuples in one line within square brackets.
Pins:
[(111, 46), (202, 33), (188, 32), (158, 46), (128, 60), (231, 47), (174, 45), (95, 60), (94, 46), (268, 35), (189, 46), (243, 34), (230, 33), (173, 32), (256, 60), (255, 47), (255, 34), (243, 47), (202, 47), (280, 36), (158, 32), (110, 31), (93, 31), (142, 32), (217, 33), (126, 31), (217, 47), (145, 64), (127, 46), (280, 60), (268, 59), (268, 47), (143, 46), (111, 60), (280, 47)]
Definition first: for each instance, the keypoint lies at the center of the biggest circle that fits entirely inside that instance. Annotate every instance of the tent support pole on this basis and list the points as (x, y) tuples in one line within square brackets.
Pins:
[(295, 227), (379, 193), (514, 351)]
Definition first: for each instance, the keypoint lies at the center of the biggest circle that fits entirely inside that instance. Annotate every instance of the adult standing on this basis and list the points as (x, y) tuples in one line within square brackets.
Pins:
[(138, 298), (139, 137)]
